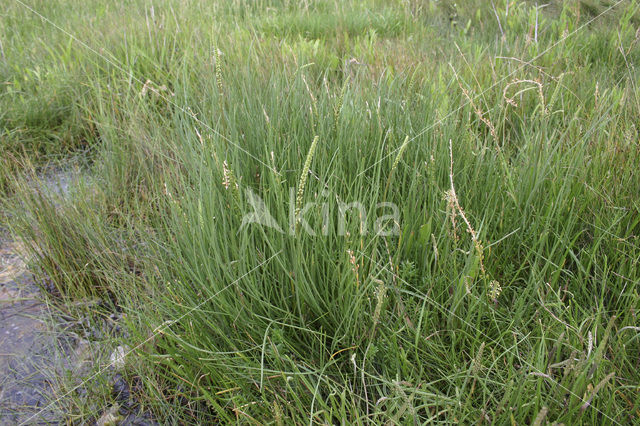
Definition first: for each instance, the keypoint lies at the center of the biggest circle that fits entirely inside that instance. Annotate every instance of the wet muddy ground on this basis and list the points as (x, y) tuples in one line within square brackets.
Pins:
[(31, 354), (35, 352), (45, 356)]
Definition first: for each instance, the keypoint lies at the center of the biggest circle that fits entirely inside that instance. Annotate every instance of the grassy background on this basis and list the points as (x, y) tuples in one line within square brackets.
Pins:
[(166, 101)]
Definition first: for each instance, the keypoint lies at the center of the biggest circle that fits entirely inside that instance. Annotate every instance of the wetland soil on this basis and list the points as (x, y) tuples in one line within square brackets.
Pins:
[(45, 355), (32, 355)]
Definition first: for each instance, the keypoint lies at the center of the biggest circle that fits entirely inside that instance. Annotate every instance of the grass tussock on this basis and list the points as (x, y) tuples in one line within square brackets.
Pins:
[(505, 133)]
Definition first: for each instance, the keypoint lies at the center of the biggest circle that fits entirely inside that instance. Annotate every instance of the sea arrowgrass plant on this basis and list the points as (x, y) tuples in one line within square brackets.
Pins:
[(502, 290)]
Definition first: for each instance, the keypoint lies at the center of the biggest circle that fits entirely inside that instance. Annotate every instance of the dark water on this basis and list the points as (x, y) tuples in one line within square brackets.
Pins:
[(31, 355), (43, 357), (34, 354)]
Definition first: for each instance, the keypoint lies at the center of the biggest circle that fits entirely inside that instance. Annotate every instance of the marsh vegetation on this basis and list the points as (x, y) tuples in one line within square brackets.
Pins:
[(505, 132)]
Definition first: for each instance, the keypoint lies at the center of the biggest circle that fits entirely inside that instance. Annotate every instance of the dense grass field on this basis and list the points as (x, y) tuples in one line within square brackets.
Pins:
[(451, 187)]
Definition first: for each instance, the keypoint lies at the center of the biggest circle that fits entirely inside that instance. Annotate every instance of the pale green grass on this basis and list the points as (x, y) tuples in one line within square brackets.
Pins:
[(522, 307)]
